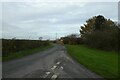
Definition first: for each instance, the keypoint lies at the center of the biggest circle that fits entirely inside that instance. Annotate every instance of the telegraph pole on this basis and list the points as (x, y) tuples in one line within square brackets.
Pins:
[(56, 36)]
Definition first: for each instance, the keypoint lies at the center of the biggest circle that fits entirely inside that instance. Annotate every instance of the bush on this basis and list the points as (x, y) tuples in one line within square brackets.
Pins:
[(103, 40), (101, 33), (72, 39), (10, 46)]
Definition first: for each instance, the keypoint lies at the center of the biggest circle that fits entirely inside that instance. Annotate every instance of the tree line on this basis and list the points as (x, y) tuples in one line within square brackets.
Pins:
[(98, 32)]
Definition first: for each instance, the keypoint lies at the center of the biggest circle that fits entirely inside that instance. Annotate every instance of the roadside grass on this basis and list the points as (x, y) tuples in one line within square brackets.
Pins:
[(0, 58), (103, 63), (25, 53)]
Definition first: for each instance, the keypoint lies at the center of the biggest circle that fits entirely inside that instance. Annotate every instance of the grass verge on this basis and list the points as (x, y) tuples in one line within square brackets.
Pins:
[(25, 53), (101, 62), (0, 58)]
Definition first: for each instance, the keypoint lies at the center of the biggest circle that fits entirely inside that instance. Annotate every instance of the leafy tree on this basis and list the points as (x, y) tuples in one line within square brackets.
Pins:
[(100, 32), (99, 21)]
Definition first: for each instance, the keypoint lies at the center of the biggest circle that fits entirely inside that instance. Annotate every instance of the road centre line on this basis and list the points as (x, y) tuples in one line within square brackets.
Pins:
[(54, 67), (61, 67), (47, 73), (58, 63), (54, 77)]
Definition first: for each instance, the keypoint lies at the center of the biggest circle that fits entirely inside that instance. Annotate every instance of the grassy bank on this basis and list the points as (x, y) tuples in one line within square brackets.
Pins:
[(20, 54), (102, 62)]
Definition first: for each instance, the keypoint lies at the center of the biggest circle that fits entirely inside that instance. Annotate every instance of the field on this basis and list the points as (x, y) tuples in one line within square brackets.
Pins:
[(12, 49), (103, 63)]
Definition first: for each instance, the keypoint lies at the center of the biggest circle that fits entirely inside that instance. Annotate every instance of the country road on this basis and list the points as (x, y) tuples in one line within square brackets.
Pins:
[(52, 63)]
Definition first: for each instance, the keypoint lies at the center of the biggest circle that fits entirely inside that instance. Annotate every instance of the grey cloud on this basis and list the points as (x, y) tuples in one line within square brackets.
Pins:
[(47, 19)]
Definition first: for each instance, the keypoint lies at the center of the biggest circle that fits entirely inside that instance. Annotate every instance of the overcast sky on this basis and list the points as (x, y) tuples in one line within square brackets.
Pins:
[(45, 19)]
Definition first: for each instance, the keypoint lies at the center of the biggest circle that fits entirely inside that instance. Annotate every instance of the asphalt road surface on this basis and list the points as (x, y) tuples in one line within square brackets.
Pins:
[(53, 63)]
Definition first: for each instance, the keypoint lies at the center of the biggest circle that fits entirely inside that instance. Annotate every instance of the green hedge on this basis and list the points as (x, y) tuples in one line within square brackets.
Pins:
[(11, 46)]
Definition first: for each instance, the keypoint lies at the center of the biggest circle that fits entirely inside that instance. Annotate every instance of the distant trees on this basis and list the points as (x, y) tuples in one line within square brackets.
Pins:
[(71, 39), (100, 32)]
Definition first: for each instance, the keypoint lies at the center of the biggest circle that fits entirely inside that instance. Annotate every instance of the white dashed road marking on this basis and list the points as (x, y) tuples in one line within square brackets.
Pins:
[(58, 63), (54, 77), (61, 67), (47, 73), (53, 67)]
